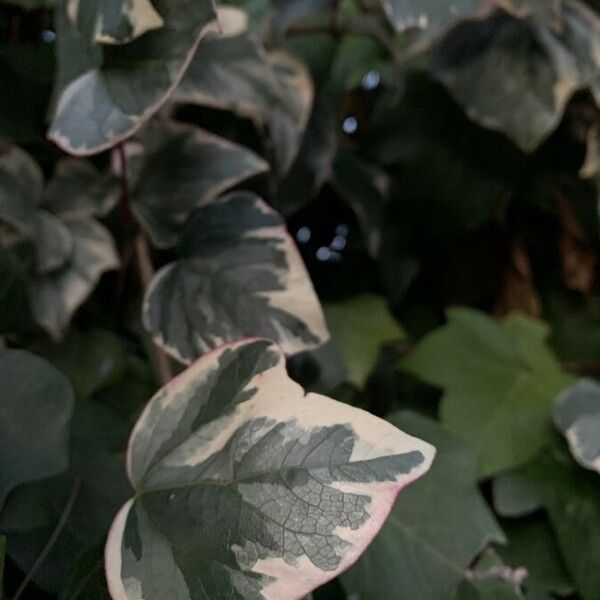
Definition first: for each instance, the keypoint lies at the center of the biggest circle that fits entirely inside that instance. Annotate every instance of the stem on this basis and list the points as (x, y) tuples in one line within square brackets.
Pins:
[(146, 273), (52, 539), (143, 261)]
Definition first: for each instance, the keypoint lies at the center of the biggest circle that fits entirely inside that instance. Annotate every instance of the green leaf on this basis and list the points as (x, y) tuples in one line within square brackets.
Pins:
[(533, 70), (531, 544), (240, 275), (248, 488), (86, 580), (233, 72), (36, 402), (499, 381), (577, 415), (491, 579), (361, 325), (104, 93), (570, 496), (114, 21), (184, 168), (435, 530), (90, 359), (57, 295)]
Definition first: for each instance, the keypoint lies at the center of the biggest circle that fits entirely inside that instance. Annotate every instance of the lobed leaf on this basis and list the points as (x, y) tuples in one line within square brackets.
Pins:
[(105, 92), (248, 488), (499, 381), (577, 415), (361, 325), (36, 402), (240, 275)]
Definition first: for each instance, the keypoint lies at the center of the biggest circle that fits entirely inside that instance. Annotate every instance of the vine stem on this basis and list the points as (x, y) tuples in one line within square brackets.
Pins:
[(143, 261), (64, 517)]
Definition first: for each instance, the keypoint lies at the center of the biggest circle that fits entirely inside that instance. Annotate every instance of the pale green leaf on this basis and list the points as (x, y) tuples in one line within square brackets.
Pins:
[(36, 402), (184, 168), (361, 325), (57, 295), (499, 382), (246, 488), (435, 530), (577, 415), (239, 275), (104, 93)]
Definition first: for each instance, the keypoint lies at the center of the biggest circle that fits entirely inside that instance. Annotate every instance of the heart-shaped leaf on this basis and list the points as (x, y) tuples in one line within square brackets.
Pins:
[(104, 93), (36, 402), (577, 415), (248, 488), (240, 275)]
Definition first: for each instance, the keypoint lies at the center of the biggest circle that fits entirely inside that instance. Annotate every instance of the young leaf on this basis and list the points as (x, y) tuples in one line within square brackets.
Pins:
[(499, 381), (577, 415), (361, 325), (240, 275), (491, 579), (57, 295), (233, 72), (184, 168), (248, 488), (104, 93), (436, 527), (36, 402), (114, 21)]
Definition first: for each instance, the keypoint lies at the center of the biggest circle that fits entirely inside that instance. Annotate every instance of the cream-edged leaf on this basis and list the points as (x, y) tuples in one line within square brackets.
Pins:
[(239, 275), (184, 167), (115, 21), (105, 92), (36, 403), (246, 488), (577, 415), (233, 72), (57, 295)]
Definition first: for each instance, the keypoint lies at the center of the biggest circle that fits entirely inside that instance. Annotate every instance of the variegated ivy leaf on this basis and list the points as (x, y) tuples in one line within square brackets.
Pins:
[(233, 72), (36, 402), (239, 275), (246, 488), (57, 295), (435, 530), (534, 70), (183, 168), (114, 21), (432, 15), (77, 189), (21, 184), (104, 93), (577, 415)]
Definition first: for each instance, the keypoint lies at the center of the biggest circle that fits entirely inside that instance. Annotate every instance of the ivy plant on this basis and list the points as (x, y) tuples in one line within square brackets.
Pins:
[(299, 299)]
